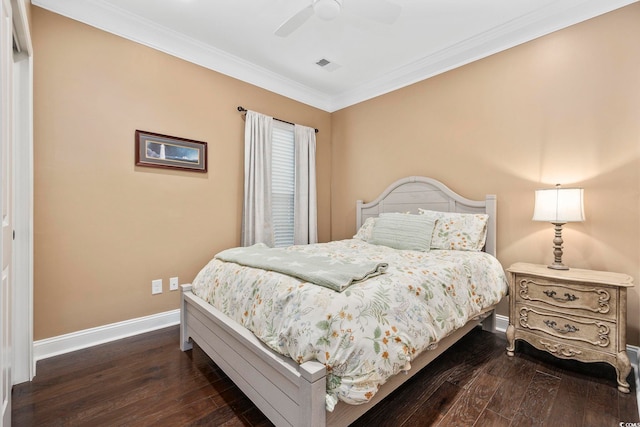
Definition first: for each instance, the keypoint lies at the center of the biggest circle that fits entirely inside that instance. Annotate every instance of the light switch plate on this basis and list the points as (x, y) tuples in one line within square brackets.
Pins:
[(156, 286), (173, 284)]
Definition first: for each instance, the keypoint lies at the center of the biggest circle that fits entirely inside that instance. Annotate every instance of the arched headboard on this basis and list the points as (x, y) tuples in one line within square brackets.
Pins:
[(414, 192)]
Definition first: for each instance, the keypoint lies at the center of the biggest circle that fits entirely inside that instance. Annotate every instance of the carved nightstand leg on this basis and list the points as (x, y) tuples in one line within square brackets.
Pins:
[(511, 345), (623, 368)]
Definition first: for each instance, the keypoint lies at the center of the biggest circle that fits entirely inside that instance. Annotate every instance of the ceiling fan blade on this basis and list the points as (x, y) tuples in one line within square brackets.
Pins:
[(382, 11), (293, 23)]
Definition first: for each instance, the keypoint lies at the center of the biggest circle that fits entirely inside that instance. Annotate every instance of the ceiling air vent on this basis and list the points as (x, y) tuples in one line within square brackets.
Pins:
[(327, 65)]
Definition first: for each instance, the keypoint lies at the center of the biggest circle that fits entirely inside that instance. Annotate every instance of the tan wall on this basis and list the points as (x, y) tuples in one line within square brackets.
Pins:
[(564, 108), (105, 228)]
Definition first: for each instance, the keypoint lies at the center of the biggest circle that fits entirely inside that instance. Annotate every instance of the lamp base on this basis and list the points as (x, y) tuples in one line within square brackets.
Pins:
[(557, 248)]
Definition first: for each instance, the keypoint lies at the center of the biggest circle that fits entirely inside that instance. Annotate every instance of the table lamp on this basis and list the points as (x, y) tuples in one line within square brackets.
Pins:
[(559, 206)]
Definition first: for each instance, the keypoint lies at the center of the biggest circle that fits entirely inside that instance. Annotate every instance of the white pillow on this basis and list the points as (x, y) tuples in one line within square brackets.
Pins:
[(403, 231), (458, 231)]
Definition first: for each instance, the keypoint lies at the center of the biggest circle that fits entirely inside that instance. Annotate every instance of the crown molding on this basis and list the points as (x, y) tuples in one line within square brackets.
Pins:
[(104, 16), (539, 23), (553, 17)]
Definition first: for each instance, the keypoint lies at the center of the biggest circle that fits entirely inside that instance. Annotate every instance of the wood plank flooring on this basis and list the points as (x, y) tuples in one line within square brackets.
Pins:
[(147, 381)]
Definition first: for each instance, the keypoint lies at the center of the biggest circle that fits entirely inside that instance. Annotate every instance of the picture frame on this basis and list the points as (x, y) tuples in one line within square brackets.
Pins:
[(164, 151)]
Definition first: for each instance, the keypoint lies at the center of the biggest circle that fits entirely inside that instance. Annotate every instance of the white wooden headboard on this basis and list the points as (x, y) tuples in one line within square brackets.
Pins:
[(409, 194)]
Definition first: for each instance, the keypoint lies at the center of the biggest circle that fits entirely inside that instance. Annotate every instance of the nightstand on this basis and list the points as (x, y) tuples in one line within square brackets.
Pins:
[(572, 314)]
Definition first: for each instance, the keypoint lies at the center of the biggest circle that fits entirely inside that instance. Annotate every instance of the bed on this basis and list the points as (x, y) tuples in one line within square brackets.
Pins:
[(299, 393)]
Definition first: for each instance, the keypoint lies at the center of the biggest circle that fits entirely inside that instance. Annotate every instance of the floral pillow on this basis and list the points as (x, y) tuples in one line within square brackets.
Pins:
[(366, 230), (458, 231)]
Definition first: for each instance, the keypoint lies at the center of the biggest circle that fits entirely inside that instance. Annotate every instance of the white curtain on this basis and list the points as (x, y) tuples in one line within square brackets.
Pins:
[(257, 225), (305, 209)]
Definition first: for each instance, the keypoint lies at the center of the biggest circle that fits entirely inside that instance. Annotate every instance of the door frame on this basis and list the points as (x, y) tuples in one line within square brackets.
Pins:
[(23, 368)]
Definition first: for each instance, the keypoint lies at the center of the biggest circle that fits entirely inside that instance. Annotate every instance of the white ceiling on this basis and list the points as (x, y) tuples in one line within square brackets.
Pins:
[(235, 37)]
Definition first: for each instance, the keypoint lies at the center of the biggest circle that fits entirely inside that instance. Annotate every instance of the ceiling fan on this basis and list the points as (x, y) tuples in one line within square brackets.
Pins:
[(382, 11)]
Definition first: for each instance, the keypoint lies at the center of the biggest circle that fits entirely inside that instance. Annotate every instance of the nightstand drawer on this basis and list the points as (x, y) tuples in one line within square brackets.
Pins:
[(588, 299), (565, 349), (580, 331)]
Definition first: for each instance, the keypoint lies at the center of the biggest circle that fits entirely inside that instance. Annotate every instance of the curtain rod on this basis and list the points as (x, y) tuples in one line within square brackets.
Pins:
[(244, 110)]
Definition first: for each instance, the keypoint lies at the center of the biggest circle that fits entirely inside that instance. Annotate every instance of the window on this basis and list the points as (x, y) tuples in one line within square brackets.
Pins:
[(282, 183), (281, 212)]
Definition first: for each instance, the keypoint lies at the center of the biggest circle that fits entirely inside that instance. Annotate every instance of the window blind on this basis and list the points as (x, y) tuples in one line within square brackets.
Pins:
[(282, 183)]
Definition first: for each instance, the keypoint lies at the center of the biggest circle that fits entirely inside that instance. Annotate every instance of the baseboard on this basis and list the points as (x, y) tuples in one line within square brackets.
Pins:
[(67, 343), (634, 356), (501, 323)]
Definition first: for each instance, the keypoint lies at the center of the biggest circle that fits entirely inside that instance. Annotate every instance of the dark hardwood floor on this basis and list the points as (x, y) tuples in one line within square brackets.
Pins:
[(146, 380)]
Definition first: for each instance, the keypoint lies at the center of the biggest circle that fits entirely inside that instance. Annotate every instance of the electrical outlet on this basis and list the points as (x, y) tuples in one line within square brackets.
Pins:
[(173, 284), (156, 286)]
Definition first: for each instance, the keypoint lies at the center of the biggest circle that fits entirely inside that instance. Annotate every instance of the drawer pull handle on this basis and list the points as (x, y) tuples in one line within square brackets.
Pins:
[(567, 328), (567, 297)]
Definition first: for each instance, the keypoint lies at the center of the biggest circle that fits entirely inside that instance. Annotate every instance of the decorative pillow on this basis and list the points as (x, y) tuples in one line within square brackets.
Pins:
[(364, 233), (403, 231), (458, 231)]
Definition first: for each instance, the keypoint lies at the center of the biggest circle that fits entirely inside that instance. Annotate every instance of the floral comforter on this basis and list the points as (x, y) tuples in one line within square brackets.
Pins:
[(372, 330)]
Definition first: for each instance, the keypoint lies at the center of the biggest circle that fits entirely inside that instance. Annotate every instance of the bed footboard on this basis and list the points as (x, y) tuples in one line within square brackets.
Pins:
[(287, 393)]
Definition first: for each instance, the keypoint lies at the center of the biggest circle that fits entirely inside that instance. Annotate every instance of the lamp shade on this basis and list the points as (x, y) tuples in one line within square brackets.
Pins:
[(559, 205)]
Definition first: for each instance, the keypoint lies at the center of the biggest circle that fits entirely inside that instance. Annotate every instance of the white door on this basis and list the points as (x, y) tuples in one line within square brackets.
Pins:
[(6, 213)]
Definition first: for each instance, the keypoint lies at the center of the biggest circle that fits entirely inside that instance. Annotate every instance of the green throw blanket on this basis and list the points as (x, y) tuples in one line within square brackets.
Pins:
[(319, 270)]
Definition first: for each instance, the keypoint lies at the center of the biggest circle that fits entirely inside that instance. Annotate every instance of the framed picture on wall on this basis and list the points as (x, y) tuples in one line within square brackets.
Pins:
[(164, 151)]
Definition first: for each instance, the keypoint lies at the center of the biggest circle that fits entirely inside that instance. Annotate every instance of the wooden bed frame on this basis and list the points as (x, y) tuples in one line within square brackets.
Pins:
[(292, 394)]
